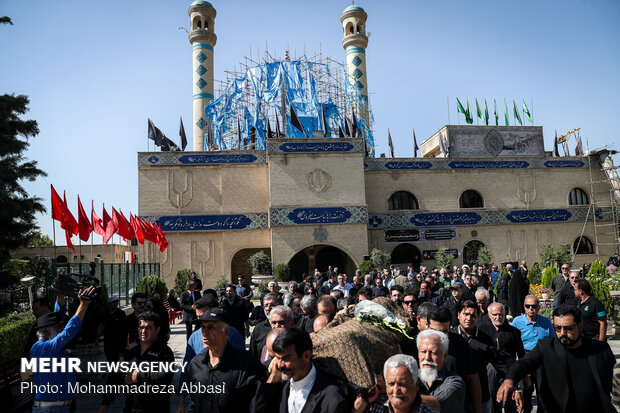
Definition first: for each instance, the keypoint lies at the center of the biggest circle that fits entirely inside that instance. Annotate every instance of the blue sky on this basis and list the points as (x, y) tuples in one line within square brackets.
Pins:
[(95, 71)]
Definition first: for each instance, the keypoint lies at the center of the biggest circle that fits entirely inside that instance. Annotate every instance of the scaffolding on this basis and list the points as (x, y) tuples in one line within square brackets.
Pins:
[(604, 202), (258, 97)]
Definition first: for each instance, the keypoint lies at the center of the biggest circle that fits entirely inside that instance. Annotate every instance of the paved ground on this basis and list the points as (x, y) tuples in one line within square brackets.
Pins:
[(90, 403)]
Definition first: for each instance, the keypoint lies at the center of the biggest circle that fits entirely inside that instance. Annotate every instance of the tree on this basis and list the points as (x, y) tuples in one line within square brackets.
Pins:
[(443, 259), (561, 255), (380, 259), (484, 256), (261, 263), (281, 272), (40, 240), (16, 205)]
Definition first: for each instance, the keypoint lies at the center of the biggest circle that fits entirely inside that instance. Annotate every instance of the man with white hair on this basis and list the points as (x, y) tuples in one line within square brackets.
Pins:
[(402, 388), (441, 389)]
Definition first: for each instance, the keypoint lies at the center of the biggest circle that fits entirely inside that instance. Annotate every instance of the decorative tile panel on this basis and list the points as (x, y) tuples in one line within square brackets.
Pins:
[(201, 123), (319, 215), (182, 223), (307, 146), (201, 83), (494, 217), (356, 61), (201, 70), (357, 73), (201, 57), (200, 158)]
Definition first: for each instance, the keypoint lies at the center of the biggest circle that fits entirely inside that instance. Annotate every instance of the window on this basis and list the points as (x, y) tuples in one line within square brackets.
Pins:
[(402, 200), (583, 245), (578, 197), (470, 252), (471, 199)]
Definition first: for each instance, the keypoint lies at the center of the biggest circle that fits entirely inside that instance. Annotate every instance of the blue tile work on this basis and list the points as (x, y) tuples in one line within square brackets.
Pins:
[(356, 61), (201, 57), (359, 85), (378, 164), (334, 145), (357, 73), (201, 83), (178, 223), (201, 123), (319, 215), (495, 217), (193, 158), (201, 70)]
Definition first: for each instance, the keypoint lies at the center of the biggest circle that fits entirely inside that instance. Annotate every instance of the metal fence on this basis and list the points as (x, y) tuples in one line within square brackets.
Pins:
[(120, 279)]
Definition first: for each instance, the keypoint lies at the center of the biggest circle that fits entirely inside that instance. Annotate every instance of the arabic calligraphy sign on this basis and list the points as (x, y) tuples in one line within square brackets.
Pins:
[(402, 235), (430, 254), (204, 222), (539, 215), (445, 218), (336, 146), (319, 215)]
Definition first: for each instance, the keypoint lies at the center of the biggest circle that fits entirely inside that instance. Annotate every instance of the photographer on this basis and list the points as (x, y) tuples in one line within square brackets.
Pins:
[(52, 341)]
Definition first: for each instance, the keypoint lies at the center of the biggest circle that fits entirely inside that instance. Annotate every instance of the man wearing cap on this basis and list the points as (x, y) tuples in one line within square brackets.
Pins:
[(113, 338), (230, 375), (52, 341)]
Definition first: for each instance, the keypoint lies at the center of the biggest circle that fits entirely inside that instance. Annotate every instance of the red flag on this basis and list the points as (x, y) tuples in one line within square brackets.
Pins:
[(68, 221), (68, 238), (149, 233), (57, 205), (137, 230), (122, 226), (108, 226), (96, 221), (161, 238), (84, 225)]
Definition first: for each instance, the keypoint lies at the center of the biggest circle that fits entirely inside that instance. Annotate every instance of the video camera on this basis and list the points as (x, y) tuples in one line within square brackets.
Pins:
[(68, 285)]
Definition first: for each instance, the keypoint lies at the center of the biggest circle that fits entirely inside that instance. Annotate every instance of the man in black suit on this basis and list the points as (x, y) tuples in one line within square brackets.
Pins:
[(188, 298), (306, 389), (573, 373)]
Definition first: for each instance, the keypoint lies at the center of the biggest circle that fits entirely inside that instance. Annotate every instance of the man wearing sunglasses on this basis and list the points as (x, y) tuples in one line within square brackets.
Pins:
[(574, 373), (558, 283), (533, 327)]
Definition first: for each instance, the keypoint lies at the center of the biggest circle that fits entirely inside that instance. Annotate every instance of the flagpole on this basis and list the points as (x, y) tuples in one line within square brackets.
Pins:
[(80, 261), (54, 235)]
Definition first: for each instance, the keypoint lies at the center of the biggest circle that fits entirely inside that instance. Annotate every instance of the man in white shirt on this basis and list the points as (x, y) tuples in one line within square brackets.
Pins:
[(306, 388), (343, 285)]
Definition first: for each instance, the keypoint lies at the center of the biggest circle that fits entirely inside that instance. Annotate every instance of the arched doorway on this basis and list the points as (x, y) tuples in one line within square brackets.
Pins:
[(470, 252), (240, 265), (329, 256), (299, 264), (406, 254)]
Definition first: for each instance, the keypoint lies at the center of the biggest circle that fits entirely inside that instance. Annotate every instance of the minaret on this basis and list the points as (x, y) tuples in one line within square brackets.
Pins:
[(203, 38), (353, 20)]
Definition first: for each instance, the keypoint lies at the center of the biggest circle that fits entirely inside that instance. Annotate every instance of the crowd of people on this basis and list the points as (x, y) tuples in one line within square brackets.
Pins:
[(457, 351)]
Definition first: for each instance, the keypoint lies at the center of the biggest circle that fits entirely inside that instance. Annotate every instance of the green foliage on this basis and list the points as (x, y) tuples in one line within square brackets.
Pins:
[(547, 275), (281, 272), (180, 281), (561, 255), (152, 284), (534, 275), (261, 263), (40, 240), (222, 283), (484, 256), (443, 259), (262, 287), (600, 281), (18, 207), (366, 267), (14, 330), (380, 259)]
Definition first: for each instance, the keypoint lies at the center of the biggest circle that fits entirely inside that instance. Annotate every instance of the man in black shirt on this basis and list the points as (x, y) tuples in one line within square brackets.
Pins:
[(114, 340), (592, 310), (138, 303), (229, 376), (574, 374), (567, 293)]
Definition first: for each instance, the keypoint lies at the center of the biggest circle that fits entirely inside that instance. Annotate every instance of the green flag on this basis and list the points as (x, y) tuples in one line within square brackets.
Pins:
[(460, 108), (486, 113), (526, 111), (468, 117), (516, 112), (478, 110), (496, 115), (506, 112)]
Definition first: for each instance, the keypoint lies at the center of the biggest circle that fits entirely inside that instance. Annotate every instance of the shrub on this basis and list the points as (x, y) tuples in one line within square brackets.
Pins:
[(484, 256), (380, 259), (261, 263), (152, 284), (222, 283), (561, 255), (547, 275), (14, 330), (600, 280), (281, 272), (443, 259), (262, 287), (534, 275), (366, 267), (180, 281)]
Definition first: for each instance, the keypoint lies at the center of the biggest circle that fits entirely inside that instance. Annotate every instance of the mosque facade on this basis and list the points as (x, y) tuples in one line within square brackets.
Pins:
[(316, 201)]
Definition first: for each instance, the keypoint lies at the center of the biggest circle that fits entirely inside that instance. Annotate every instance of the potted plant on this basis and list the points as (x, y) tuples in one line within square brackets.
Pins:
[(261, 267), (281, 274), (546, 293)]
